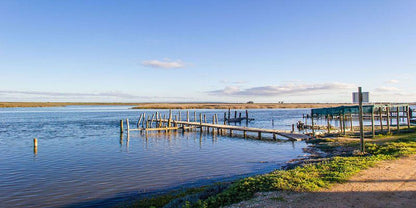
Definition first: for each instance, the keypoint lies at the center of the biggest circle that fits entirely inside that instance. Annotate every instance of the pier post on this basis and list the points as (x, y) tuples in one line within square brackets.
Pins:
[(398, 119), (352, 127), (343, 124), (245, 133), (128, 126), (179, 116), (293, 128), (408, 116), (274, 136), (259, 135), (373, 129), (195, 116), (170, 117), (229, 115), (121, 126), (35, 146), (225, 117), (231, 132), (380, 115), (388, 119), (360, 114), (200, 122), (246, 117), (328, 124), (187, 116), (313, 126), (151, 121), (140, 120)]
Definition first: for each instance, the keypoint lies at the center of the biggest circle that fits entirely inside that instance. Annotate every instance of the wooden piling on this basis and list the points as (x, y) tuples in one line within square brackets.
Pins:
[(247, 117), (274, 136), (231, 132), (408, 116), (144, 120), (343, 124), (360, 115), (351, 125), (388, 119), (259, 135), (380, 115), (373, 129), (151, 121), (127, 124), (140, 120), (293, 128), (245, 134), (35, 146), (328, 125), (235, 115), (121, 127), (170, 118), (313, 126), (195, 116), (187, 116), (179, 116), (229, 114), (398, 119)]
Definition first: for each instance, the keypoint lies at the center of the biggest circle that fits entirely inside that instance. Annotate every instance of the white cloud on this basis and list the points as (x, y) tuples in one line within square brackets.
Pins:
[(387, 89), (166, 64), (286, 89), (69, 95), (392, 81), (225, 81)]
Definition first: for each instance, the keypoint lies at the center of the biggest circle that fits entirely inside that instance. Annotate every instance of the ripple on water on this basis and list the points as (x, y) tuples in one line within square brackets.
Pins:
[(80, 157)]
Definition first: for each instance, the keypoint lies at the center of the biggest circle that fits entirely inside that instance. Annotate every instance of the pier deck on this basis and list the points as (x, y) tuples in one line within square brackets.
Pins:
[(221, 129)]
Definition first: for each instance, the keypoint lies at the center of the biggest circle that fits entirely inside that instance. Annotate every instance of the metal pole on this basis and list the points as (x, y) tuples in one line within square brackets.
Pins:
[(360, 101)]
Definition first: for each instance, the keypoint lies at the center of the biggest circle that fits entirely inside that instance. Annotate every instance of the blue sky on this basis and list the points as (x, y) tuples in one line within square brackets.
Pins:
[(231, 51)]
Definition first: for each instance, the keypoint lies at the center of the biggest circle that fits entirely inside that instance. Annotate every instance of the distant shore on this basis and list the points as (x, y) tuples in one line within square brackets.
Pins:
[(234, 105), (177, 105)]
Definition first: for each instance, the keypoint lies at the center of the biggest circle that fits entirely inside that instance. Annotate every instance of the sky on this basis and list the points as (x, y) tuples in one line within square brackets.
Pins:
[(207, 51)]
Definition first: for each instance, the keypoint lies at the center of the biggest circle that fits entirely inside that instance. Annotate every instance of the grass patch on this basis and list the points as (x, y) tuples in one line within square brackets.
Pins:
[(310, 177)]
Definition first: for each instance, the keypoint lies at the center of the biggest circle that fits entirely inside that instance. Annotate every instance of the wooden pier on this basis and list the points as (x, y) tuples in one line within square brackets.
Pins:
[(157, 123)]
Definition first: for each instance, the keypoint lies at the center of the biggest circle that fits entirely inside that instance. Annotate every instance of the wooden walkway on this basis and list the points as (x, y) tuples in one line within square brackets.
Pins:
[(219, 129)]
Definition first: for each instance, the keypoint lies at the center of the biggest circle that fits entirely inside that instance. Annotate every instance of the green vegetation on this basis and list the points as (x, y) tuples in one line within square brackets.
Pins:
[(310, 177)]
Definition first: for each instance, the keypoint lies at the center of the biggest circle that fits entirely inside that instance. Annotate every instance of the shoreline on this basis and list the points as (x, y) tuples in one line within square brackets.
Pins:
[(202, 105), (324, 153)]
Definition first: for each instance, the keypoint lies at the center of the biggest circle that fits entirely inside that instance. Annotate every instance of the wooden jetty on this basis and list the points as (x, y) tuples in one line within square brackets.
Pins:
[(157, 123), (386, 115), (236, 119)]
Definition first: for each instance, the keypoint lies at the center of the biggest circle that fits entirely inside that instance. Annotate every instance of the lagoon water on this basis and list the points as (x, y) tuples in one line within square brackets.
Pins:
[(81, 160)]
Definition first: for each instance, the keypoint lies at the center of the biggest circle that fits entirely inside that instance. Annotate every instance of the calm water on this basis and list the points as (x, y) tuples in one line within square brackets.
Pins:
[(81, 158)]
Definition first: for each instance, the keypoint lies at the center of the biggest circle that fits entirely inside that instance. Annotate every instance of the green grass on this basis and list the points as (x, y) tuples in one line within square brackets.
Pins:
[(310, 177)]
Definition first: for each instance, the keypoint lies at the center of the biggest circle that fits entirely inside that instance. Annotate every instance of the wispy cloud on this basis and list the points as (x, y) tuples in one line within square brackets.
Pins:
[(287, 89), (392, 81), (225, 81), (165, 64), (112, 94), (387, 89)]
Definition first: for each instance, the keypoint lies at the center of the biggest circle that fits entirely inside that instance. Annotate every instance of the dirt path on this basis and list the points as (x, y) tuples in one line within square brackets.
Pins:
[(389, 184)]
